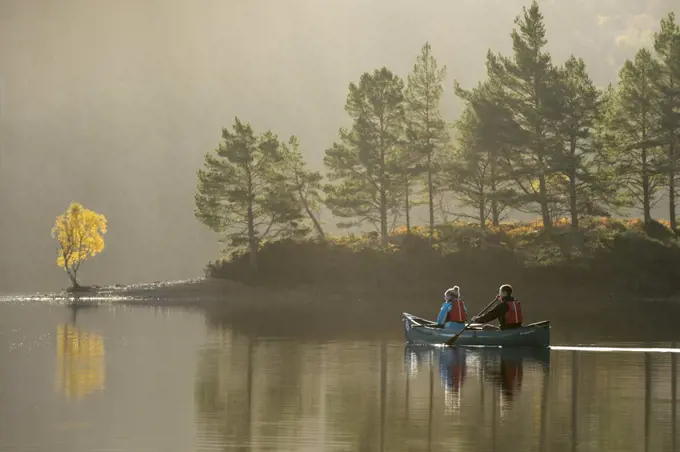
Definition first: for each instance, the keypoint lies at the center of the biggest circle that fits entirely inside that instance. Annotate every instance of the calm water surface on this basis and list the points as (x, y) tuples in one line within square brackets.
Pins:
[(114, 378)]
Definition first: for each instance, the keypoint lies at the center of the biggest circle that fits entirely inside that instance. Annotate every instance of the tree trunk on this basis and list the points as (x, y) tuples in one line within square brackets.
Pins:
[(646, 201), (252, 242), (383, 195), (310, 214), (495, 214), (543, 200), (572, 186), (74, 279), (542, 187), (671, 183), (482, 216), (646, 196), (317, 226), (430, 193), (252, 249), (383, 218), (572, 201), (482, 208), (408, 210), (673, 100)]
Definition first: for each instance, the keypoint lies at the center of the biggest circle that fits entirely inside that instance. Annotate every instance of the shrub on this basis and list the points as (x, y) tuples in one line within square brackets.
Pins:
[(624, 253)]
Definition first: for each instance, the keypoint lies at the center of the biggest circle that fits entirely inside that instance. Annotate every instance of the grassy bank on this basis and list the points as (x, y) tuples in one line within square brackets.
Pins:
[(603, 256)]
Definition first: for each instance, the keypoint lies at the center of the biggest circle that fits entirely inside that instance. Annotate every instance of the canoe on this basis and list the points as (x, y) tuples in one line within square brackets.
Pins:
[(422, 331)]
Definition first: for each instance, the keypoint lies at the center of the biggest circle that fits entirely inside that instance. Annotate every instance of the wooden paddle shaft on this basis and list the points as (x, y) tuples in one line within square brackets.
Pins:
[(483, 311)]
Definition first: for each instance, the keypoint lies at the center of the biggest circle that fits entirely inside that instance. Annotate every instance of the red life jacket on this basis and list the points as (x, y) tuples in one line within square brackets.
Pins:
[(512, 374), (458, 374), (457, 312), (514, 314)]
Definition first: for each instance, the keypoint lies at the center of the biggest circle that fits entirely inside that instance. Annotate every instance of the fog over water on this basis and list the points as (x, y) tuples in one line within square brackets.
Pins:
[(113, 104)]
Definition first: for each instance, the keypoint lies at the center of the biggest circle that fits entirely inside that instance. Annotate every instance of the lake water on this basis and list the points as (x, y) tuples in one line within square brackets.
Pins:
[(116, 378)]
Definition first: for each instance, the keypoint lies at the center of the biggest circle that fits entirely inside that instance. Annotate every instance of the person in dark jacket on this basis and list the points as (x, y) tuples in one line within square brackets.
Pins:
[(508, 311)]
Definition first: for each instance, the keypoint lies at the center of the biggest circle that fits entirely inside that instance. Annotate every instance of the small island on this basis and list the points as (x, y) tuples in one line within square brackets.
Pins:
[(535, 137)]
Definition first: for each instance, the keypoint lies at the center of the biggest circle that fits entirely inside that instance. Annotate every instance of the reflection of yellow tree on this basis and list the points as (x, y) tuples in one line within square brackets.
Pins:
[(80, 362)]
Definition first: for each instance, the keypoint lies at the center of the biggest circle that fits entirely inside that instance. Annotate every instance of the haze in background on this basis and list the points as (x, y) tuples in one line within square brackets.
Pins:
[(113, 104)]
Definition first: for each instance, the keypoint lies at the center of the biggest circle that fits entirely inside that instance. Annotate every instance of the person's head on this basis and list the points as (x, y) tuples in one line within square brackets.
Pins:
[(452, 293), (505, 291)]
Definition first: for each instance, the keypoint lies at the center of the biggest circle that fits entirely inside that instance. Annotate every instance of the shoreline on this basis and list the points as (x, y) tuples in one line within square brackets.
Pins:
[(312, 311), (196, 291), (220, 295), (201, 292)]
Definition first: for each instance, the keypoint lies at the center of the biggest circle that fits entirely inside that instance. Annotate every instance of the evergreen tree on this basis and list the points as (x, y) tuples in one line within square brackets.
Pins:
[(477, 172), (577, 159), (469, 168), (633, 130), (242, 193), (606, 193), (529, 81), (306, 184), (426, 130), (408, 168), (667, 46), (365, 160)]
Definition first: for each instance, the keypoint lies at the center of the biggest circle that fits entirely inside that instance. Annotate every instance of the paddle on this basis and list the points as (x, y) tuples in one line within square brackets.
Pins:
[(453, 338)]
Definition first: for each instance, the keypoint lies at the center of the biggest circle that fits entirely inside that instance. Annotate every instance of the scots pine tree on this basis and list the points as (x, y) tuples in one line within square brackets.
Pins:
[(305, 183), (242, 192), (667, 46), (528, 80), (426, 130), (583, 180), (633, 126), (475, 171), (364, 164)]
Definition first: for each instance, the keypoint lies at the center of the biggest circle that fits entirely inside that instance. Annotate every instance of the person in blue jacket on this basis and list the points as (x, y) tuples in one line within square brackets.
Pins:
[(453, 313)]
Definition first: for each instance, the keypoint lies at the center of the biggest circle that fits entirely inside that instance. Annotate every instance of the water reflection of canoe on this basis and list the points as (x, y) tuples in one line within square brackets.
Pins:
[(539, 355), (415, 354), (501, 366), (422, 331)]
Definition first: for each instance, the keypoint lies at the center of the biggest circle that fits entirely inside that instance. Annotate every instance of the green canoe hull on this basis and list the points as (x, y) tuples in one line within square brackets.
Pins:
[(421, 331)]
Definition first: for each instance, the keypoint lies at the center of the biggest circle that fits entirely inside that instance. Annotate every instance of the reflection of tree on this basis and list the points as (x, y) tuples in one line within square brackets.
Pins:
[(80, 362), (223, 392), (674, 398), (258, 392), (264, 394), (478, 386)]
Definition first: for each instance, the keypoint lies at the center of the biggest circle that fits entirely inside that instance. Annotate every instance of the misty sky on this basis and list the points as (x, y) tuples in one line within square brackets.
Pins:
[(114, 103)]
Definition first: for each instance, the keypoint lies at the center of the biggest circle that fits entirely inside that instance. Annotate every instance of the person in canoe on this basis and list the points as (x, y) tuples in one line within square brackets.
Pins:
[(508, 311), (453, 313), (452, 373), (508, 378), (452, 369)]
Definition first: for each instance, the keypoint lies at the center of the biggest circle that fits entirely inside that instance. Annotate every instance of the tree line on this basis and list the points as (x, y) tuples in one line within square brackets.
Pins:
[(534, 136)]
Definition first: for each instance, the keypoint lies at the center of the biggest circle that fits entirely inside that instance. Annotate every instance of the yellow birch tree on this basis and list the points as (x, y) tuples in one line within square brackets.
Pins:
[(79, 232)]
